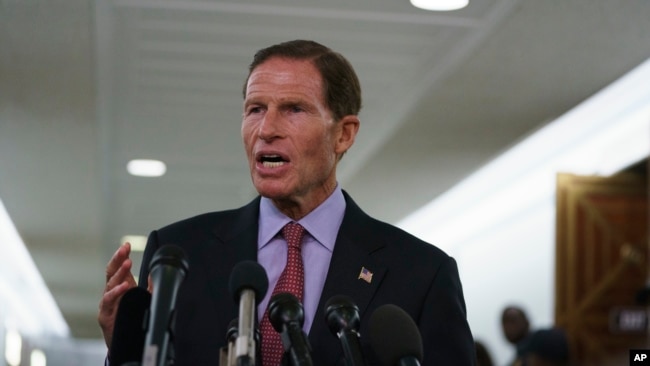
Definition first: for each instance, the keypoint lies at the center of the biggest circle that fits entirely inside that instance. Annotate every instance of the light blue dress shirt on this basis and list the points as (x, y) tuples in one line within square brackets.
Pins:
[(322, 226)]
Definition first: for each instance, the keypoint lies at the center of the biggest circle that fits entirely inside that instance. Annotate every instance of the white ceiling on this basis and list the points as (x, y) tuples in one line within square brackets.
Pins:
[(87, 85)]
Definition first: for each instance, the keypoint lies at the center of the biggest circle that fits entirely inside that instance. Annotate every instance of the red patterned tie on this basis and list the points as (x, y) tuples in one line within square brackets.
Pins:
[(292, 281)]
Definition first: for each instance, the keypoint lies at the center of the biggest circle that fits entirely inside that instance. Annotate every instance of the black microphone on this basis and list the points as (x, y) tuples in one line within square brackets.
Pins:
[(287, 316), (129, 329), (395, 337), (342, 316), (248, 285), (167, 269)]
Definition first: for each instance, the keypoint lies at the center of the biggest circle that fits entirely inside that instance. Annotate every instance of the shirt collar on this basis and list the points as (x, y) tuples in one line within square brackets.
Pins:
[(322, 223)]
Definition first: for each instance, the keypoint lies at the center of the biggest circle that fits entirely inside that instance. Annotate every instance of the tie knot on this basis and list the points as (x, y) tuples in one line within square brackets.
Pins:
[(292, 233)]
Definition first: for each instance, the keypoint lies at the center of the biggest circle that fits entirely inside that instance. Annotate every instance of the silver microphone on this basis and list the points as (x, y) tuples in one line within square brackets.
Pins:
[(248, 285)]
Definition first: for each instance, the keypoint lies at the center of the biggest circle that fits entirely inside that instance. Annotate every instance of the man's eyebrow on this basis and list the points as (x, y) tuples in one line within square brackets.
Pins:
[(253, 100), (292, 100)]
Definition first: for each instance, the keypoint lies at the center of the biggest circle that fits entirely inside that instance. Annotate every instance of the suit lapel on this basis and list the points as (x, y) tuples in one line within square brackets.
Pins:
[(355, 245), (238, 233), (235, 240)]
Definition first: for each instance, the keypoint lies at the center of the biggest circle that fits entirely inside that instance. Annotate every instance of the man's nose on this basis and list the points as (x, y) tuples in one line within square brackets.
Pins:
[(270, 125)]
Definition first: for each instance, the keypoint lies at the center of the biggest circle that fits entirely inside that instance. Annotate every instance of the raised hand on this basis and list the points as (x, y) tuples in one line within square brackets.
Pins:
[(119, 280)]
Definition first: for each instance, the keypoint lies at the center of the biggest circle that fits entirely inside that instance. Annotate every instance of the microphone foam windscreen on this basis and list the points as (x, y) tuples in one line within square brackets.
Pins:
[(338, 301), (394, 335), (129, 333), (248, 275), (285, 308), (341, 313), (170, 255)]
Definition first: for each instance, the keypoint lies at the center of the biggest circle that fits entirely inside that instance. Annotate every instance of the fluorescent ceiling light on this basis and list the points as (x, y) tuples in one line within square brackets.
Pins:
[(440, 5), (13, 347), (37, 358), (27, 304), (138, 242), (146, 168)]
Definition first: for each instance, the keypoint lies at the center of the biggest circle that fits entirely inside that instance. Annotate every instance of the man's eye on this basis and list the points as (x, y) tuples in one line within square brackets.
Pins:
[(296, 109), (254, 110)]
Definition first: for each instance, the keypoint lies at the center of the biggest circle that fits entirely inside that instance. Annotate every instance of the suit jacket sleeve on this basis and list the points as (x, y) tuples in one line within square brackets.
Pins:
[(446, 336)]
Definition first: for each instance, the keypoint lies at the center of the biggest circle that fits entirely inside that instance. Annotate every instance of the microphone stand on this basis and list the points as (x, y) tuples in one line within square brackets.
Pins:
[(351, 348), (342, 316), (287, 317), (296, 345)]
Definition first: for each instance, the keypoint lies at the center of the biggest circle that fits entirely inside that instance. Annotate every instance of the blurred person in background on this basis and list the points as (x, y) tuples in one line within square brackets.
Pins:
[(483, 357), (516, 330), (547, 347)]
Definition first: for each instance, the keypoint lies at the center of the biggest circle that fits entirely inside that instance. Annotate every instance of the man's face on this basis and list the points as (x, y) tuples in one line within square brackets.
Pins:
[(291, 141), (515, 325)]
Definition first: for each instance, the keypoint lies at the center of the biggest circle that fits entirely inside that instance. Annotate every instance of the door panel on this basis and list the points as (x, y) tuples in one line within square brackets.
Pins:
[(601, 262)]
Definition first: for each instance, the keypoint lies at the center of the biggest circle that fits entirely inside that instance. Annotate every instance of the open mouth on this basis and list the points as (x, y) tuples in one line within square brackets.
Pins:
[(272, 161)]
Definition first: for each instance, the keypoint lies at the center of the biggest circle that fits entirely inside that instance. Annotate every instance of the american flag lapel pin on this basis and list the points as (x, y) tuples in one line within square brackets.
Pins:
[(365, 275)]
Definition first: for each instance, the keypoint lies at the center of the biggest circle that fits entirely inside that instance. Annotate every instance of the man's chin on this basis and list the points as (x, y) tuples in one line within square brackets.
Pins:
[(273, 191)]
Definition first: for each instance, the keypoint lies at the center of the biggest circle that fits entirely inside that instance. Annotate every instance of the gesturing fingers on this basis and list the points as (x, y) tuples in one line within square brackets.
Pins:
[(121, 254), (118, 281), (119, 269), (122, 275)]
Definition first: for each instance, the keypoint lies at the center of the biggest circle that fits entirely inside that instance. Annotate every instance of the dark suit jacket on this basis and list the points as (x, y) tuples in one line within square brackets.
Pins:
[(407, 272)]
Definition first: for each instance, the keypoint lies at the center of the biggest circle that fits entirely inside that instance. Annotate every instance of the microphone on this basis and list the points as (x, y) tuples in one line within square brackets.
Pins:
[(395, 337), (227, 352), (342, 316), (287, 316), (167, 269), (128, 332), (248, 285)]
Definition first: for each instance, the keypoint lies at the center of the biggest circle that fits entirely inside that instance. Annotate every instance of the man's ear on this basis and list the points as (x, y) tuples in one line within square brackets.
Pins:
[(347, 129)]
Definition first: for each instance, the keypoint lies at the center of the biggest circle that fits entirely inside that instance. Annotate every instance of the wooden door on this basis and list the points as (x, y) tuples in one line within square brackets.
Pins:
[(601, 263)]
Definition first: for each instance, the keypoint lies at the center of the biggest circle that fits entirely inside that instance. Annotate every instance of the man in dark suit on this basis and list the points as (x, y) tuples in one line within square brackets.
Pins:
[(301, 105)]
